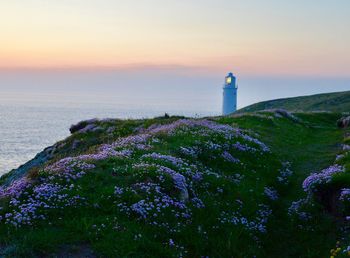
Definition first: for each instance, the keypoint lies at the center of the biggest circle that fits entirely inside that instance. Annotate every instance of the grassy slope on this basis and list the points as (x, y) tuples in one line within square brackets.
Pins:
[(310, 146), (335, 102)]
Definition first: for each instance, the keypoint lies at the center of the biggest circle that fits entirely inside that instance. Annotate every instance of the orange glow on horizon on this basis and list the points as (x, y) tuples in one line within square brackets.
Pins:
[(288, 40)]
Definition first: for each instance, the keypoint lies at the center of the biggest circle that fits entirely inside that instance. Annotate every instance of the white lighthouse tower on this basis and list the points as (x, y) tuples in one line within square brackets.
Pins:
[(229, 104)]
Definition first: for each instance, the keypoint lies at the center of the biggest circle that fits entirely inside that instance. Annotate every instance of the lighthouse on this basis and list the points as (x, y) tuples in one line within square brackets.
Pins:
[(229, 104)]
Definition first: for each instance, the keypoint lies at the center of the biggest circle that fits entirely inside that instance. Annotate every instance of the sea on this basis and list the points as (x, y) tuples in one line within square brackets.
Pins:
[(38, 107)]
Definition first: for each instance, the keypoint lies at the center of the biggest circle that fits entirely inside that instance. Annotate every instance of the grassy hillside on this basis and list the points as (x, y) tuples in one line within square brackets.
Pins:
[(335, 102), (173, 187)]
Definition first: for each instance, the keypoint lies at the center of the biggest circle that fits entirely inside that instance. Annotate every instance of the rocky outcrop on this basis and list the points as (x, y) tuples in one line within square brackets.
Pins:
[(344, 122), (91, 125), (84, 126), (284, 113), (90, 128), (41, 158)]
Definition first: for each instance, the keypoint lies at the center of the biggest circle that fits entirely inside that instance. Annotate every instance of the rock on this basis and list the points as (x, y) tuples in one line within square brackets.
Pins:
[(286, 114), (40, 159), (344, 122), (90, 128), (82, 124), (97, 128), (180, 183), (346, 147), (278, 115), (87, 128), (339, 157)]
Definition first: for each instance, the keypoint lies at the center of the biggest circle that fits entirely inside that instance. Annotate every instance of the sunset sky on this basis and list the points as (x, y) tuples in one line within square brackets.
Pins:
[(271, 37)]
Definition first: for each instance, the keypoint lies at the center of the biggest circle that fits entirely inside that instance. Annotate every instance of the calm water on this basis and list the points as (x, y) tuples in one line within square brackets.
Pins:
[(26, 129), (36, 109)]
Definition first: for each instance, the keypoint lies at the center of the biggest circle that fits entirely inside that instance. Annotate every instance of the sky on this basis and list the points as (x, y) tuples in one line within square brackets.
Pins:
[(252, 38)]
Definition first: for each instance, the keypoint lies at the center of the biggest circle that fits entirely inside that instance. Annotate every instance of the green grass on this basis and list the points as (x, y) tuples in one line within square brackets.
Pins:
[(335, 102), (309, 145)]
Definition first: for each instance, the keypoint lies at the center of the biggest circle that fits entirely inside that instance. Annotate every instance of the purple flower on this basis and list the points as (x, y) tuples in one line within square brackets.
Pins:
[(15, 188), (346, 147), (271, 193), (345, 194), (285, 173), (118, 190), (177, 162), (323, 177), (198, 203), (243, 147), (189, 151), (296, 209), (227, 131), (228, 157), (257, 224)]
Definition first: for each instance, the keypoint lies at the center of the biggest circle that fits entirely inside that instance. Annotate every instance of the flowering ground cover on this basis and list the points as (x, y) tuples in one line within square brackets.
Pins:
[(310, 146), (175, 187), (330, 188)]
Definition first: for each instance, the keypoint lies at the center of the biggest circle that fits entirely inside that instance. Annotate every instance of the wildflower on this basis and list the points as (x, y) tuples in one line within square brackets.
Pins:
[(344, 194), (323, 177), (228, 157), (271, 193)]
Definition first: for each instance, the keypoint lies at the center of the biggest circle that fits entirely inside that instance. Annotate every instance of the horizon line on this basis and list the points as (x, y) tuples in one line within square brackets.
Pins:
[(173, 68)]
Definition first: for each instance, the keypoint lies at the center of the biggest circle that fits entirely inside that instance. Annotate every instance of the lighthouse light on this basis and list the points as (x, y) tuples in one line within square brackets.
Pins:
[(229, 103)]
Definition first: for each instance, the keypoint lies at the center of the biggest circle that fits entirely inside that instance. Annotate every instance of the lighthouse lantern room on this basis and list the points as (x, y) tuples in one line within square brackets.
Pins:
[(229, 104)]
